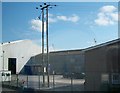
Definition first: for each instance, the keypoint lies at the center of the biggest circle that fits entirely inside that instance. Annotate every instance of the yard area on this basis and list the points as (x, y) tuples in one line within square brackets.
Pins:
[(57, 84)]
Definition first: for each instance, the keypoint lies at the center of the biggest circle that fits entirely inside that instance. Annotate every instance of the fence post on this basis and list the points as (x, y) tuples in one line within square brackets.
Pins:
[(27, 81), (71, 81), (53, 79), (17, 80), (39, 81)]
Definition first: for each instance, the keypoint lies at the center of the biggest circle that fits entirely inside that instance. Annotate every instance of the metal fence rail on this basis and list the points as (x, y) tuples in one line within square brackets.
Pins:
[(56, 82)]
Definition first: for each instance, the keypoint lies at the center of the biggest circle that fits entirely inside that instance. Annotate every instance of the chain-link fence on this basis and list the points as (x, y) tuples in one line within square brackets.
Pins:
[(56, 82)]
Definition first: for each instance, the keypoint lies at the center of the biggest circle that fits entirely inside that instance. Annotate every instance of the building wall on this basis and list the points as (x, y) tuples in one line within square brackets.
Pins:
[(95, 66), (0, 68), (62, 61), (68, 63), (113, 53), (1, 57), (22, 50), (100, 64)]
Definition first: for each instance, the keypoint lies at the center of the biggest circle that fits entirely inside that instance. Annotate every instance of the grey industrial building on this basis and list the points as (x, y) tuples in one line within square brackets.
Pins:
[(69, 61), (102, 67), (100, 63)]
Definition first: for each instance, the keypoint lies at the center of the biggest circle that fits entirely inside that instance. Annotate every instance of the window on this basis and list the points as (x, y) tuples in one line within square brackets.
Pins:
[(105, 78), (115, 78)]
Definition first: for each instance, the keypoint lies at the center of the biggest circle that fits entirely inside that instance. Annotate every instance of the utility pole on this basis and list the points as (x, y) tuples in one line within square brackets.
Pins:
[(47, 45), (43, 64), (45, 6), (43, 46)]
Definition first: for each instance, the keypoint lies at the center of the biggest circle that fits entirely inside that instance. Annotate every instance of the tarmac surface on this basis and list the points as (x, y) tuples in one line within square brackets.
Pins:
[(36, 82), (7, 89)]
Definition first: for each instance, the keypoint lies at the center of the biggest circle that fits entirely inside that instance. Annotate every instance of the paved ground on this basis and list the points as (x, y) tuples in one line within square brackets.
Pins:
[(7, 89), (60, 83)]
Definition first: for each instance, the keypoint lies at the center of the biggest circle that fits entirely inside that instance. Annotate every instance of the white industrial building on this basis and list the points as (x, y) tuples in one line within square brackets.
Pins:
[(0, 57), (14, 55)]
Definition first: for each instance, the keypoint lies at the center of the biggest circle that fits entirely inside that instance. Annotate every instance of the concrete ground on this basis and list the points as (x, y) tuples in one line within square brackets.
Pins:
[(60, 83), (7, 89)]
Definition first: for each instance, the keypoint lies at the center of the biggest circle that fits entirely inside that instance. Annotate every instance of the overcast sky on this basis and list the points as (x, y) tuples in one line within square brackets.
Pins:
[(71, 25)]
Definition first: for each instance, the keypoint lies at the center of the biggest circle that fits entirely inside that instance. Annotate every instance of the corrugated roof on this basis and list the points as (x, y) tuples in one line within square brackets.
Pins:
[(103, 44), (89, 48), (66, 51)]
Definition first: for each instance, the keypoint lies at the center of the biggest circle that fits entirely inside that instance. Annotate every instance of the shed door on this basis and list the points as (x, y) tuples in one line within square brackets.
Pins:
[(12, 65)]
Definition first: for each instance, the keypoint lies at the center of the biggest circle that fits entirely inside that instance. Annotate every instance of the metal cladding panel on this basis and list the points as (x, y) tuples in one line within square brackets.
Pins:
[(62, 62), (22, 50), (101, 61), (1, 57)]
